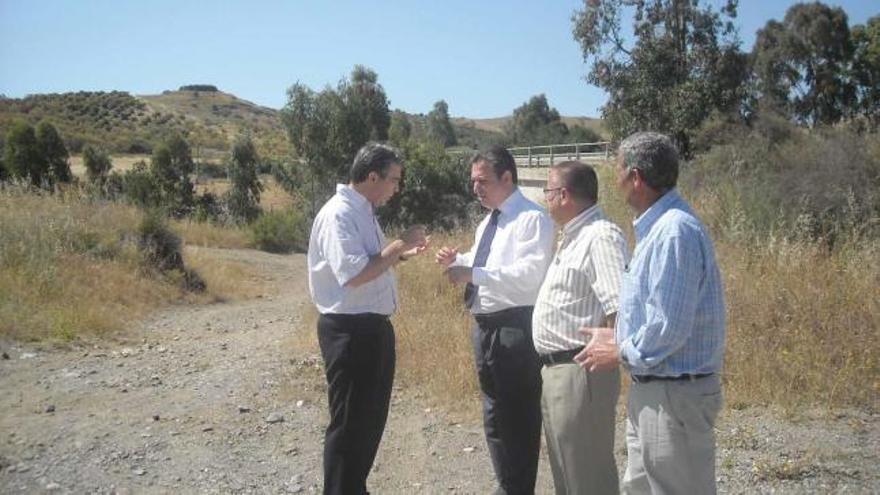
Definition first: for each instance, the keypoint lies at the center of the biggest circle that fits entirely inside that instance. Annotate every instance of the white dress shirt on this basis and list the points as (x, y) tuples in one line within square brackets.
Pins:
[(518, 258), (344, 236), (582, 285)]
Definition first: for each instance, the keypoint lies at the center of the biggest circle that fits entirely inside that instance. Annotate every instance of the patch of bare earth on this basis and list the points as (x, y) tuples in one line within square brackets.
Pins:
[(217, 399)]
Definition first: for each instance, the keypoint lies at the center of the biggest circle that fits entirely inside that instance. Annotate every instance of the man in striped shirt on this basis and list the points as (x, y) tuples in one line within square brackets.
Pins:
[(580, 289), (670, 329)]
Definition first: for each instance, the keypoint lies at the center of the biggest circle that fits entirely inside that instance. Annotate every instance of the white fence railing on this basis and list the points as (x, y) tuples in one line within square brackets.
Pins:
[(547, 155)]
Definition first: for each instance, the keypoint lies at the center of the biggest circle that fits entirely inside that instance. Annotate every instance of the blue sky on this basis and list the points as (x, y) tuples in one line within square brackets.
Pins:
[(483, 57)]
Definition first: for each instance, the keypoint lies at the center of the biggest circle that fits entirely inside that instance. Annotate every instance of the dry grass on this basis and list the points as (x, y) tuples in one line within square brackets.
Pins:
[(226, 279), (66, 269), (433, 329), (803, 323), (69, 268), (272, 198), (121, 163), (206, 234)]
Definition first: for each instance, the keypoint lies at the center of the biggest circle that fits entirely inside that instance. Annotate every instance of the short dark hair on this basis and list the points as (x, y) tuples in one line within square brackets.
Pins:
[(654, 156), (579, 179), (373, 157), (500, 159)]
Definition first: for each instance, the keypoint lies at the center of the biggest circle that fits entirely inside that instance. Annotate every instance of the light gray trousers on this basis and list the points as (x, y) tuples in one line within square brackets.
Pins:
[(670, 436)]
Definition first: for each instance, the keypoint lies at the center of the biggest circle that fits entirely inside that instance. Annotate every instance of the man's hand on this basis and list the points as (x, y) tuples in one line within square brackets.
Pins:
[(409, 253), (446, 256), (459, 274), (601, 352)]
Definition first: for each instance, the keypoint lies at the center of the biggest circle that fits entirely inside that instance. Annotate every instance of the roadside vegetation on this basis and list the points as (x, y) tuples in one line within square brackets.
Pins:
[(783, 165)]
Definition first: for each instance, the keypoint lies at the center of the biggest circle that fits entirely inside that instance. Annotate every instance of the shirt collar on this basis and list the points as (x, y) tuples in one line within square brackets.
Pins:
[(356, 199), (509, 205), (583, 218), (646, 220)]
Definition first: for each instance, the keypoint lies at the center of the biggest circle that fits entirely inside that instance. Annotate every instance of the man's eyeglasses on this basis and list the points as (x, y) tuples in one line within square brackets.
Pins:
[(551, 189)]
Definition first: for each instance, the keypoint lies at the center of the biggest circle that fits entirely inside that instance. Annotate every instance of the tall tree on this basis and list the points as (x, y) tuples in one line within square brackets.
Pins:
[(866, 69), (171, 166), (22, 157), (684, 63), (439, 126), (400, 129), (535, 122), (802, 64), (243, 198), (327, 128), (54, 152)]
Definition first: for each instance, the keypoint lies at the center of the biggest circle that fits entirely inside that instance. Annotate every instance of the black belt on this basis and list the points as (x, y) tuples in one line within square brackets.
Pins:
[(559, 357), (504, 316), (651, 378)]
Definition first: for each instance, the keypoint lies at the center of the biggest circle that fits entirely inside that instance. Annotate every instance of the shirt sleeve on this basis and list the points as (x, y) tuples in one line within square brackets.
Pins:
[(675, 273), (534, 244), (607, 255), (344, 248)]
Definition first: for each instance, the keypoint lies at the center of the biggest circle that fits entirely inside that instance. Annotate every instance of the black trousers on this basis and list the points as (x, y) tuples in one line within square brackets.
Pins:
[(510, 381), (358, 352)]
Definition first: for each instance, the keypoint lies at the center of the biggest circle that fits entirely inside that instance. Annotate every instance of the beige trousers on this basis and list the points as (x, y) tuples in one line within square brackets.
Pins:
[(578, 412), (670, 436)]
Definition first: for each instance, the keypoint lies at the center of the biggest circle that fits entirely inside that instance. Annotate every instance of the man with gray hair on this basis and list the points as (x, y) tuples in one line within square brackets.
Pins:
[(670, 329)]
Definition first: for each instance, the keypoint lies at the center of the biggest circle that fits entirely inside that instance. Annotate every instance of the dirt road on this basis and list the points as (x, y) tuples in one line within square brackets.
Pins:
[(214, 399)]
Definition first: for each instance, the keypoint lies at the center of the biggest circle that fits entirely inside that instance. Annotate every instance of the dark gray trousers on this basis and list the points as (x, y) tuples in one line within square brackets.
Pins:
[(510, 380)]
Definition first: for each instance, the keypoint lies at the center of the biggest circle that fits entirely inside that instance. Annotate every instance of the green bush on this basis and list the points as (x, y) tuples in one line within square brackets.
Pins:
[(820, 185), (280, 231), (434, 191), (162, 254)]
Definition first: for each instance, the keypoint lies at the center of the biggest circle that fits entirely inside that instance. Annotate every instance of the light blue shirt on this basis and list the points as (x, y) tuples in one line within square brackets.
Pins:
[(671, 318), (344, 236)]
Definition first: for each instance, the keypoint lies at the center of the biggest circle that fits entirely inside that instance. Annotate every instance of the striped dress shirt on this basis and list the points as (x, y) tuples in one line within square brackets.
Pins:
[(671, 318), (582, 283), (344, 236)]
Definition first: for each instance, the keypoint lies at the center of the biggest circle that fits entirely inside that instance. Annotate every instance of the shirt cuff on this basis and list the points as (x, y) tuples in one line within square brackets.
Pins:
[(629, 356), (479, 276)]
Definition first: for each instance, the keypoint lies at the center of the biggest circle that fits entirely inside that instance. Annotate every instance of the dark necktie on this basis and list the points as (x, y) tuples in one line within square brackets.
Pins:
[(482, 254)]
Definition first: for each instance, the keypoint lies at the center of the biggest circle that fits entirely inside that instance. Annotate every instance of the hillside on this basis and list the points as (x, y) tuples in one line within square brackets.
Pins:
[(209, 119), (497, 124), (124, 123)]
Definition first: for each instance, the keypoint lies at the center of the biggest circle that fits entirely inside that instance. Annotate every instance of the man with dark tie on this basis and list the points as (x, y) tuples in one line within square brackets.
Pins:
[(503, 273)]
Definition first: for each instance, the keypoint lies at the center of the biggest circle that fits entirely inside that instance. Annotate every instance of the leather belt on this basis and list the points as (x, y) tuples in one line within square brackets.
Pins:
[(651, 378), (559, 357)]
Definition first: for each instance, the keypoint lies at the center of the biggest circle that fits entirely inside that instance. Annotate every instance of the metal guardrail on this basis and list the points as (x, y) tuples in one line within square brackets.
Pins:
[(547, 155)]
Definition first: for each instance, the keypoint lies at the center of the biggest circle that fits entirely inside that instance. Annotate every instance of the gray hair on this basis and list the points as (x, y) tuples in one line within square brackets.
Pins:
[(654, 156), (373, 157)]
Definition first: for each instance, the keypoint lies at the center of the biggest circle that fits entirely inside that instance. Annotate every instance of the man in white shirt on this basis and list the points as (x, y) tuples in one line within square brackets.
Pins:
[(354, 290), (581, 289), (503, 273)]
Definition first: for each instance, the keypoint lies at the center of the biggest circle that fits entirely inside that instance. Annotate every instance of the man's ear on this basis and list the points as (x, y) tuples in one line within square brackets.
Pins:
[(507, 177), (372, 176)]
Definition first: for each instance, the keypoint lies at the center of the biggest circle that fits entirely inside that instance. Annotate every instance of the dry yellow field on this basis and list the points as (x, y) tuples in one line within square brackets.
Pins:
[(121, 163)]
